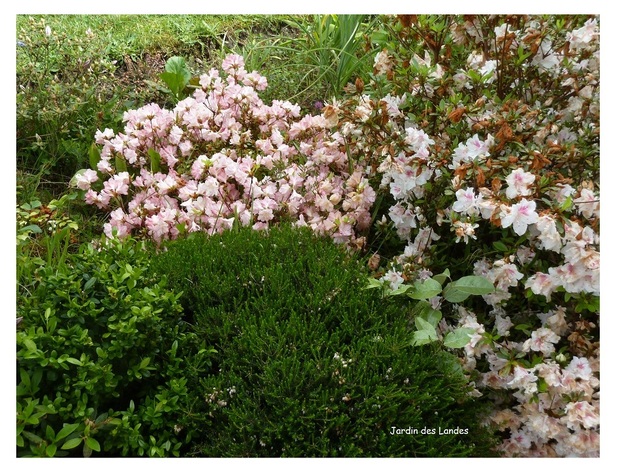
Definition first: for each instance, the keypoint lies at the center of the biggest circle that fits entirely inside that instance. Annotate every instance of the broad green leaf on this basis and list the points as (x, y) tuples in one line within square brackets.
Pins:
[(120, 164), (31, 345), (74, 361), (32, 437), (90, 283), (458, 338), (401, 289), (25, 377), (453, 295), (423, 337), (31, 227), (425, 290), (50, 451), (500, 246), (424, 310), (441, 278), (93, 444), (568, 202), (373, 283), (474, 285), (423, 325), (66, 431), (93, 156), (177, 75), (155, 160)]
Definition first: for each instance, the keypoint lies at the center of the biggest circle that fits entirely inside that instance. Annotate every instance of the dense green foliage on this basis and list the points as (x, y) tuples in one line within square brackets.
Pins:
[(308, 364), (103, 358)]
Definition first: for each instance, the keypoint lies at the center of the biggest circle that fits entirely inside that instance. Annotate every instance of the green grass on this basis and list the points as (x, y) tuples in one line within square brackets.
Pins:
[(134, 35)]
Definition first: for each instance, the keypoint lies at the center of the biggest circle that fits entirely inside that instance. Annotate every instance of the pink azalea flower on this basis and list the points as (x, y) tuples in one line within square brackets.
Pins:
[(520, 216), (84, 179), (467, 202), (519, 182)]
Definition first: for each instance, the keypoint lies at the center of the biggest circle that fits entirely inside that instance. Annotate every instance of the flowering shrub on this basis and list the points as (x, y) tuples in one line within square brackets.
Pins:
[(509, 191), (222, 156), (474, 148)]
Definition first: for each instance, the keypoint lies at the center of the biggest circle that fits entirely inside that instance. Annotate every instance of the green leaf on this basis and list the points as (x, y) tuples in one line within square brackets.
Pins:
[(441, 278), (474, 285), (90, 283), (177, 75), (93, 156), (423, 337), (66, 431), (500, 246), (155, 160), (32, 437), (568, 202), (120, 164), (25, 377), (93, 444), (423, 325), (30, 345), (32, 228), (425, 290), (74, 361), (458, 338), (453, 295), (50, 451), (401, 289), (373, 283), (424, 310)]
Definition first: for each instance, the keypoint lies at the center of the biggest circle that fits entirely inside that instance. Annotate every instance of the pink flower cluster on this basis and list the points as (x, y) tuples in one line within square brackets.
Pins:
[(223, 157)]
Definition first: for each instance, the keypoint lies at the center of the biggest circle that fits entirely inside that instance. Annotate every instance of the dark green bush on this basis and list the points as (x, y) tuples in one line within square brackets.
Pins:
[(104, 360), (308, 362)]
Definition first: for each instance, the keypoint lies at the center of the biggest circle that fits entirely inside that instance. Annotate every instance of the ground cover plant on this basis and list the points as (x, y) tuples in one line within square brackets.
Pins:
[(463, 164)]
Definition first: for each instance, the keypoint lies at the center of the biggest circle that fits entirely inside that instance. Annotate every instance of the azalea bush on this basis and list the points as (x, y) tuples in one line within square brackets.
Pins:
[(473, 148), (509, 191), (223, 157)]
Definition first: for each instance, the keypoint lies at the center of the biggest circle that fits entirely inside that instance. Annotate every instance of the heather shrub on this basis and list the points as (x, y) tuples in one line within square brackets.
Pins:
[(104, 361), (307, 363)]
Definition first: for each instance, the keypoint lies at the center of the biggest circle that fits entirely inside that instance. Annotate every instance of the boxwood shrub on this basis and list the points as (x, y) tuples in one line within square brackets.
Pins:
[(309, 363), (104, 360)]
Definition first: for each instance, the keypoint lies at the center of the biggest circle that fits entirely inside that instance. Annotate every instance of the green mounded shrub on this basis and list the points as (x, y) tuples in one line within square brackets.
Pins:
[(309, 363), (104, 361)]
